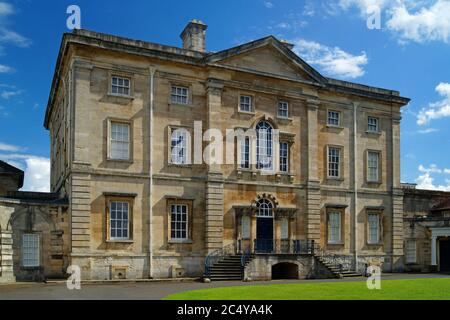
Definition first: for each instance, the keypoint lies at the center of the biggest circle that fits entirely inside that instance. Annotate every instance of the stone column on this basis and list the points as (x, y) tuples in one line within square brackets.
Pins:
[(214, 184), (313, 184), (6, 257)]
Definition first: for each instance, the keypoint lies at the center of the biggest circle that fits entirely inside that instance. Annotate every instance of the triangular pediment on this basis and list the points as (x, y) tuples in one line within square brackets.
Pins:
[(267, 56)]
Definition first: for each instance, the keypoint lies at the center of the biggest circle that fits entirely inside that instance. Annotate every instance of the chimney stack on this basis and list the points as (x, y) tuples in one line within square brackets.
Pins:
[(194, 36)]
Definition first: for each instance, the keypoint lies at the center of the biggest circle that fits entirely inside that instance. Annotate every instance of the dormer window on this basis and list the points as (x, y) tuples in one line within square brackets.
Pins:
[(120, 86)]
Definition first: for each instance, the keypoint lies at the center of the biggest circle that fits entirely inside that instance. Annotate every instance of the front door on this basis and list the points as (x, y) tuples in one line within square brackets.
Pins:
[(264, 237), (444, 256)]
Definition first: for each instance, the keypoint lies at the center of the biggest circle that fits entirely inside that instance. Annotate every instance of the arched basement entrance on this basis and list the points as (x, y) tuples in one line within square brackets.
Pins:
[(285, 271)]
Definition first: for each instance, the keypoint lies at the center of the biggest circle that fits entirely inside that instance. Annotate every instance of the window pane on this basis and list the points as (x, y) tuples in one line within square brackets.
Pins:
[(179, 95), (334, 158), (120, 85), (372, 166), (179, 147), (120, 141), (374, 227), (283, 109), (334, 118), (334, 227), (179, 222), (264, 146), (119, 220), (31, 250), (245, 154), (284, 157)]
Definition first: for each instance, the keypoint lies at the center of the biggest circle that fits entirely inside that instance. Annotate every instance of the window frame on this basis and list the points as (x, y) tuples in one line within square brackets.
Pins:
[(120, 77), (339, 163), (129, 123), (268, 137), (286, 103), (368, 166), (369, 124), (188, 146), (189, 204), (339, 119), (119, 199), (251, 103), (36, 255), (285, 158), (370, 229), (246, 232), (244, 155), (181, 87), (341, 220), (379, 213)]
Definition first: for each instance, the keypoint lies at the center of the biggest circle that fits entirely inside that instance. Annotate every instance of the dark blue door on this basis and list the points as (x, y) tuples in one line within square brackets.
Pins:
[(264, 237)]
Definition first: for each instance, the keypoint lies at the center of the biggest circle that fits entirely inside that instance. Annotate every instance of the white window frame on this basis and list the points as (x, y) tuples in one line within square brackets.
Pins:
[(179, 145), (264, 146), (113, 143), (31, 250), (118, 84), (373, 225), (373, 168), (334, 116), (244, 105), (245, 153), (114, 220), (179, 229), (334, 162), (334, 231), (283, 109), (411, 259), (284, 157), (179, 95), (375, 124)]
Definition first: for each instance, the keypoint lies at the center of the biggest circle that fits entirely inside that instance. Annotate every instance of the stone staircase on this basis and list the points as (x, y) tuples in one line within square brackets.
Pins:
[(336, 270), (227, 269)]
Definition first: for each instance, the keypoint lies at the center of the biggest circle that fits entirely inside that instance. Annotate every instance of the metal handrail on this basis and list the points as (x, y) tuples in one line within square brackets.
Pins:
[(218, 255)]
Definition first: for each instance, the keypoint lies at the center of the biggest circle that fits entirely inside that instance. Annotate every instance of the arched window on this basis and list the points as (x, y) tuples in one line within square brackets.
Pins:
[(265, 209), (264, 146)]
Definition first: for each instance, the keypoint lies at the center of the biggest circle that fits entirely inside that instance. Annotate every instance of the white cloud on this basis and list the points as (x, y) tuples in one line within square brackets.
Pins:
[(10, 148), (426, 181), (10, 94), (429, 130), (6, 69), (426, 24), (409, 20), (268, 4), (436, 110), (37, 175), (6, 9), (333, 60), (12, 37), (37, 170)]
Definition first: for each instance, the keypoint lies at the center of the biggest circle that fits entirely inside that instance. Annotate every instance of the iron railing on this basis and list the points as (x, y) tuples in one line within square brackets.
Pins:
[(218, 255)]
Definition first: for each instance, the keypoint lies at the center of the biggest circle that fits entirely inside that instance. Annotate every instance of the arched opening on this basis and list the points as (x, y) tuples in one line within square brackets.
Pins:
[(285, 271), (264, 146)]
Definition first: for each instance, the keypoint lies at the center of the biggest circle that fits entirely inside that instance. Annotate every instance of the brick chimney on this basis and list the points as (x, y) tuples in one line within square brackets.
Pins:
[(194, 36)]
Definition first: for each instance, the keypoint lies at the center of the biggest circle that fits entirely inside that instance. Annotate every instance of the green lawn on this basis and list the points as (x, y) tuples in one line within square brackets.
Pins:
[(420, 289)]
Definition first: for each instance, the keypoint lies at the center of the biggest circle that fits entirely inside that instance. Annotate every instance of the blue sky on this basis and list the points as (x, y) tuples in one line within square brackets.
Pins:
[(410, 53)]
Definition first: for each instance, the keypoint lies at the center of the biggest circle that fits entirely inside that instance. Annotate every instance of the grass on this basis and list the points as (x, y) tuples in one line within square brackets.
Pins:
[(419, 289)]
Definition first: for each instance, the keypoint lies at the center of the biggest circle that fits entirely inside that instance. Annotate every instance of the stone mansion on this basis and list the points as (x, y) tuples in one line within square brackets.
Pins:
[(315, 192)]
